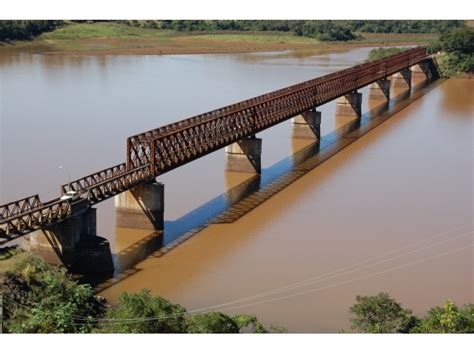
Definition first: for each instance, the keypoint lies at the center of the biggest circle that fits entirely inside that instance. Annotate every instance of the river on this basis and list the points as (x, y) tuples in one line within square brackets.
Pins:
[(391, 212)]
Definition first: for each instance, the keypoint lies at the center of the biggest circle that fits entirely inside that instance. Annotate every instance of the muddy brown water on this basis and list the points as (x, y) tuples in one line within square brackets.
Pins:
[(390, 212)]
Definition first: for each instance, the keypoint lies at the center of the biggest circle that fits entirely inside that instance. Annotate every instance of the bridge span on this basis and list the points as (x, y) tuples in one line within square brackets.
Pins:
[(140, 200)]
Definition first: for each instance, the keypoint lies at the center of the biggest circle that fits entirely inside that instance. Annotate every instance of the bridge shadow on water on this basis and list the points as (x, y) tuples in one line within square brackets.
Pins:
[(243, 198)]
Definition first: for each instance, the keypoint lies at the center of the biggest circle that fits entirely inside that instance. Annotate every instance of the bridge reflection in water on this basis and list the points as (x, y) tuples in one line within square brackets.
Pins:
[(249, 194)]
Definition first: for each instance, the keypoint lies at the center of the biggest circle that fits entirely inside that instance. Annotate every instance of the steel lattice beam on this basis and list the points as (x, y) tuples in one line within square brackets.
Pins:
[(155, 152), (171, 146)]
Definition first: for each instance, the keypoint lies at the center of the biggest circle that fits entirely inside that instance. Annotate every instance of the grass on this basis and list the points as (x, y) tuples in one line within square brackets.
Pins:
[(103, 30), (254, 37), (104, 38), (9, 256), (421, 38)]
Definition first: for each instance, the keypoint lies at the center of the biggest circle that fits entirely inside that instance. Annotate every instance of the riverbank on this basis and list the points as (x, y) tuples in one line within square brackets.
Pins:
[(119, 39)]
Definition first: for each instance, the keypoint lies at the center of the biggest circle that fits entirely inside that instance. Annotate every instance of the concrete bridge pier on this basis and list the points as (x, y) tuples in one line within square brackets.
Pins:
[(65, 235), (349, 105), (402, 78), (307, 125), (74, 242), (141, 207), (380, 90), (245, 155), (421, 71)]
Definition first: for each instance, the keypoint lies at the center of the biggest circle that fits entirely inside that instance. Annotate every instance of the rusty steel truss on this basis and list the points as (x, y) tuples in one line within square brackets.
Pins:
[(108, 182), (32, 217), (155, 152), (171, 146)]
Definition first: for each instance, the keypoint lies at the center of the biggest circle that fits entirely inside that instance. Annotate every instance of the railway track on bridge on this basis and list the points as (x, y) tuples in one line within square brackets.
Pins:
[(155, 152)]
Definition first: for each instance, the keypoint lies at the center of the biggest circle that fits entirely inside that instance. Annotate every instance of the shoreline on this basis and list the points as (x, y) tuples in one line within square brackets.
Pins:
[(191, 43)]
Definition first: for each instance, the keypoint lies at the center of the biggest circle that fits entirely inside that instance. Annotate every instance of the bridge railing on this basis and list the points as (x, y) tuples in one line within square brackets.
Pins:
[(18, 207), (152, 153), (172, 127), (217, 129), (117, 184), (106, 183), (33, 219), (83, 184)]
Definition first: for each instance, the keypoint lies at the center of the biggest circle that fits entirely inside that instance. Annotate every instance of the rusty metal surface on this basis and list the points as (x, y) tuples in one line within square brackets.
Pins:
[(15, 208), (88, 181), (33, 219), (171, 146), (155, 152)]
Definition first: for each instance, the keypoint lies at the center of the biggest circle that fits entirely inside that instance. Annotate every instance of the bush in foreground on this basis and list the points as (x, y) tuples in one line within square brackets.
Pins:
[(39, 298), (382, 314), (142, 312)]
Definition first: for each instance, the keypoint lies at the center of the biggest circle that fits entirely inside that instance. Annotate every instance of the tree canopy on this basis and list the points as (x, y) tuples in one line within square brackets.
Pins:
[(144, 313), (458, 48), (40, 298), (382, 314)]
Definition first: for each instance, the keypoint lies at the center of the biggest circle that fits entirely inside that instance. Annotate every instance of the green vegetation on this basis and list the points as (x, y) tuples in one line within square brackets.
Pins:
[(447, 319), (383, 52), (24, 30), (322, 30), (39, 298), (102, 30), (456, 50), (9, 256), (382, 314), (404, 26), (143, 313), (254, 37)]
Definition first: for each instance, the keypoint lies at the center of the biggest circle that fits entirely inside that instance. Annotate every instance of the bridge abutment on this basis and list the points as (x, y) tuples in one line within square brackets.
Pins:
[(349, 105), (402, 79), (245, 155), (64, 236), (73, 242), (141, 207), (380, 90), (307, 125)]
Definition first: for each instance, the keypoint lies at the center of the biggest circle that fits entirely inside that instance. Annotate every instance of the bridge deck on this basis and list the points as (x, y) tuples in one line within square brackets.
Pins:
[(171, 146), (152, 153)]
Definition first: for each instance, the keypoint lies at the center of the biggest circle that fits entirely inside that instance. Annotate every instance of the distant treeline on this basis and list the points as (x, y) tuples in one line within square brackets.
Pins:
[(454, 51), (24, 30), (324, 30)]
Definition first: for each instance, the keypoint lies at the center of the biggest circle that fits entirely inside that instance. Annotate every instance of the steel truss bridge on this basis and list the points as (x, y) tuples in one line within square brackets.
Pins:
[(155, 152)]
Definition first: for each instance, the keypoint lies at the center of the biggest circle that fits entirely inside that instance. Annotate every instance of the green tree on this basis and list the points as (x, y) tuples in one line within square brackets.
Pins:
[(40, 298), (460, 40), (380, 314), (213, 322), (22, 30), (447, 319), (249, 323), (143, 313), (458, 48)]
